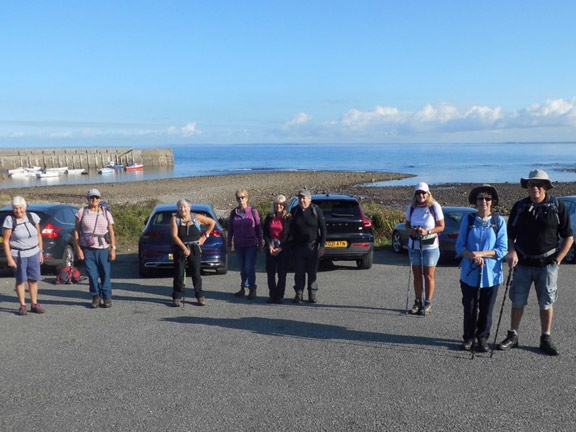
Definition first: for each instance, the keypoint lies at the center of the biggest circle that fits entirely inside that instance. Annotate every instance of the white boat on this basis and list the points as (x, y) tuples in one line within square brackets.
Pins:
[(23, 174), (105, 170), (57, 169), (75, 171), (18, 170), (47, 174)]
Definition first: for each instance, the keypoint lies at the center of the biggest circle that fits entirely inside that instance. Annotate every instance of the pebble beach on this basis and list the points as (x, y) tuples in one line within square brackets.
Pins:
[(262, 187)]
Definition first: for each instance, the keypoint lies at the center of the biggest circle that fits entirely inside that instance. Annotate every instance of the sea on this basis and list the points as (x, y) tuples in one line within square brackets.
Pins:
[(432, 163)]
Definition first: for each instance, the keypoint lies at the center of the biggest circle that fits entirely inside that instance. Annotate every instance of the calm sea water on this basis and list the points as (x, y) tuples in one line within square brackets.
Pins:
[(433, 163)]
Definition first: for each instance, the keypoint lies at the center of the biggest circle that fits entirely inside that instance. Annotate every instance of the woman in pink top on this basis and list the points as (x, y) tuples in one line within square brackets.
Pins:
[(275, 232)]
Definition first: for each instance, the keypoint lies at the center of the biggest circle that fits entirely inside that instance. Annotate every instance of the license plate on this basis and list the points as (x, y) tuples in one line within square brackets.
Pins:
[(336, 244), (171, 257), (1, 239)]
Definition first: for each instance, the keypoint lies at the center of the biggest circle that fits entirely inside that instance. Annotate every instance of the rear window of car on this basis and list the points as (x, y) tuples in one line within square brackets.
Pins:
[(164, 218), (456, 216), (339, 208)]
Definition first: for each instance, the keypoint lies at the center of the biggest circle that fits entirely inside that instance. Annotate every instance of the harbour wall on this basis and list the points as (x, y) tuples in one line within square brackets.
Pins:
[(86, 158)]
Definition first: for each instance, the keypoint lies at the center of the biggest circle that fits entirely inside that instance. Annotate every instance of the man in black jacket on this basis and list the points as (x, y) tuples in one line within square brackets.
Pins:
[(539, 237), (308, 230)]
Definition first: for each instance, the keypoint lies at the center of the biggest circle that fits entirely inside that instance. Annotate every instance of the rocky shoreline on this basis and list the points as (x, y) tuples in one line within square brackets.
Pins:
[(262, 187)]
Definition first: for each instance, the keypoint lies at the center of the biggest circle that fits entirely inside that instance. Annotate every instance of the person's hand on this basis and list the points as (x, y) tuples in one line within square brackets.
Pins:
[(187, 252), (41, 258), (112, 254), (80, 254), (11, 262), (229, 249), (512, 259), (320, 252)]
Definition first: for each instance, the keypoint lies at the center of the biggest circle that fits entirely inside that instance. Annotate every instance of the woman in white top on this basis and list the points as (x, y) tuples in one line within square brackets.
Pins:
[(425, 218)]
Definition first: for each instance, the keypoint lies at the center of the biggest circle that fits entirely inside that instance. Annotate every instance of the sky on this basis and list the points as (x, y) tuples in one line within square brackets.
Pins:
[(170, 72)]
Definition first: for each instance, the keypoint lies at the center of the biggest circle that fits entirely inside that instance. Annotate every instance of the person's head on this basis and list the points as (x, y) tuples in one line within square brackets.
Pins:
[(19, 206), (242, 198), (304, 198), (537, 184), (183, 206), (422, 196), (279, 205), (93, 196), (485, 198)]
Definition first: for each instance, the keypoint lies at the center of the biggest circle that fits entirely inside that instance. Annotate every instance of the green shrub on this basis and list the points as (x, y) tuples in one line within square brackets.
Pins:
[(129, 220), (383, 221)]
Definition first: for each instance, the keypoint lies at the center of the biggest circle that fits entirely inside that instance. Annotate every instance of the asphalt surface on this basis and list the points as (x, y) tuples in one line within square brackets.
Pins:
[(353, 362)]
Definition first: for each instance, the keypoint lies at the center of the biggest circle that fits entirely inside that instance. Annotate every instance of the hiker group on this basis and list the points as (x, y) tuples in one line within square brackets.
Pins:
[(534, 241)]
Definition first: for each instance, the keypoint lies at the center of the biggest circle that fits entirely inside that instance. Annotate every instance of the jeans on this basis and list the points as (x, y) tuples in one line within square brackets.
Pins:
[(305, 263), (477, 324), (97, 264), (276, 265), (247, 260), (187, 265)]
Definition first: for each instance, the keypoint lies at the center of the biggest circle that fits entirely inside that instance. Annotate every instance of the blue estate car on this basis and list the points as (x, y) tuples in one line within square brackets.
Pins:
[(155, 243)]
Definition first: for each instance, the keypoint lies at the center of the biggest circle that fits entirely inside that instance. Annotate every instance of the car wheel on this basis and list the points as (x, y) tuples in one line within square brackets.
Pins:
[(366, 262), (397, 242), (68, 256), (571, 256)]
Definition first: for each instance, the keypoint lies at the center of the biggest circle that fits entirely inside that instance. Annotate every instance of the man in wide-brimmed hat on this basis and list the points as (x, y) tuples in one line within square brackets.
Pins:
[(535, 226)]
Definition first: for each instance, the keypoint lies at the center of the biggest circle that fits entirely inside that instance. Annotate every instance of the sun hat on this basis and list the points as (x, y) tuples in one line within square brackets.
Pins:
[(537, 174), (304, 193), (421, 187), (93, 192), (486, 188)]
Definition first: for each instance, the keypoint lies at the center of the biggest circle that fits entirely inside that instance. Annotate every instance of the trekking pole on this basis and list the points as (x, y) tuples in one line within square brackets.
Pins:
[(477, 309), (423, 293), (508, 281), (184, 282)]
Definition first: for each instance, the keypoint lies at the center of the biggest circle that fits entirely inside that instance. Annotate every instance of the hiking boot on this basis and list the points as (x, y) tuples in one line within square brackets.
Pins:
[(548, 346), (107, 303), (278, 301), (270, 300), (427, 310), (176, 302), (22, 311), (483, 345), (511, 341), (95, 302), (252, 294), (312, 298), (240, 293), (202, 301), (298, 297), (36, 308), (416, 308), (467, 345)]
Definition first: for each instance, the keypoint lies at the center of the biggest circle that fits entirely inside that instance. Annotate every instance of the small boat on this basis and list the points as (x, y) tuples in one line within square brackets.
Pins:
[(134, 167), (18, 170), (75, 171), (23, 174), (57, 169), (105, 170), (47, 174)]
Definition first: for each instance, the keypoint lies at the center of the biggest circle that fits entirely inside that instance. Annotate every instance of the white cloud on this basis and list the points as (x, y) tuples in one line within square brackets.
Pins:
[(299, 119)]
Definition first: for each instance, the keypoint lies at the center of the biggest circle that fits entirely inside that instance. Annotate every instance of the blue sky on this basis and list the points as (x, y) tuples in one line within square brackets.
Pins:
[(161, 73)]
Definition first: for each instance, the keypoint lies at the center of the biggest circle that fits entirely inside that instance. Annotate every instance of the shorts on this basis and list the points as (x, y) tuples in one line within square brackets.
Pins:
[(544, 279), (27, 268), (431, 257)]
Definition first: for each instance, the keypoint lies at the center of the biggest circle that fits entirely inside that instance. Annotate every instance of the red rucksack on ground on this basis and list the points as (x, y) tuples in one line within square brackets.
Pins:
[(69, 275)]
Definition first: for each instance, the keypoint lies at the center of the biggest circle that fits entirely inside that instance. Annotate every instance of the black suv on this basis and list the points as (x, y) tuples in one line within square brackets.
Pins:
[(57, 225), (349, 232)]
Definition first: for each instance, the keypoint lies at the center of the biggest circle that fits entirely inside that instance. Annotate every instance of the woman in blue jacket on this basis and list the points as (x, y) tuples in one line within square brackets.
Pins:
[(482, 243)]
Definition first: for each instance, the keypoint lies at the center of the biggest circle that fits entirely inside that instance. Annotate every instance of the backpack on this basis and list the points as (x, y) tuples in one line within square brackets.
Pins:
[(551, 205), (69, 275), (105, 210), (493, 222), (29, 221)]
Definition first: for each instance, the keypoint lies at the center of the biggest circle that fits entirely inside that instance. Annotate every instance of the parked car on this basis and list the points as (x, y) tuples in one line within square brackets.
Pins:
[(57, 225), (349, 231), (570, 202), (447, 238), (155, 243)]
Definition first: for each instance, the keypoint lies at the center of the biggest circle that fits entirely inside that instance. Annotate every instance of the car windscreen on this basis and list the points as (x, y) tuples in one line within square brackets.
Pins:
[(163, 218), (339, 208)]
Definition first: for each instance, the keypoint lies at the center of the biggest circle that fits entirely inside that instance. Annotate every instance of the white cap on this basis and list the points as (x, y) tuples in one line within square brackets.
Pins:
[(422, 187)]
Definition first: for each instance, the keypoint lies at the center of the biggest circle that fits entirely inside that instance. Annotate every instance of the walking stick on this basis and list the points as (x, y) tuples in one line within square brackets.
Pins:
[(408, 288), (508, 281), (423, 294), (184, 282), (477, 309)]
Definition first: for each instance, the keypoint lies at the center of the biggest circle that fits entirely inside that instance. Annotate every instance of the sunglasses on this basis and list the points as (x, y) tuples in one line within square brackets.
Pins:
[(281, 204), (94, 197), (480, 198), (420, 193), (537, 184), (238, 198)]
